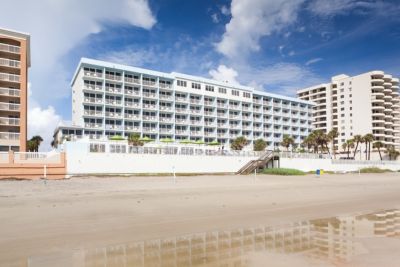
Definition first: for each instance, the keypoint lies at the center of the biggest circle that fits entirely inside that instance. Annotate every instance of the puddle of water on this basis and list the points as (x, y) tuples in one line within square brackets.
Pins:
[(336, 241)]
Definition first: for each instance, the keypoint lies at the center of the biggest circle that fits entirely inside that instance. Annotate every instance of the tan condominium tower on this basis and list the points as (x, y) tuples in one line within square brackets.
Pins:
[(14, 64), (357, 105)]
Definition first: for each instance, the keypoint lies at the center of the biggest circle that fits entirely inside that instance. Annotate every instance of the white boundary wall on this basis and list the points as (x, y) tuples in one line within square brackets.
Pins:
[(306, 165), (80, 161)]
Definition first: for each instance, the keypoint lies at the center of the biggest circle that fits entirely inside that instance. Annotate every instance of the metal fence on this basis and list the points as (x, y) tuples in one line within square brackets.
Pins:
[(366, 162), (303, 155)]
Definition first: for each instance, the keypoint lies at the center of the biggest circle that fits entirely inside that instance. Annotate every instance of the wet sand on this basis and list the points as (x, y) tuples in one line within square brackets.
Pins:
[(38, 217)]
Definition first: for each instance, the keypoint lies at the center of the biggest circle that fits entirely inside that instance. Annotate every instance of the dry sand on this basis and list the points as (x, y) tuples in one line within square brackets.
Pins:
[(38, 217)]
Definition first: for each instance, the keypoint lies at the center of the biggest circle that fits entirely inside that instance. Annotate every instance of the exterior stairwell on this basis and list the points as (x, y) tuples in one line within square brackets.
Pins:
[(261, 162)]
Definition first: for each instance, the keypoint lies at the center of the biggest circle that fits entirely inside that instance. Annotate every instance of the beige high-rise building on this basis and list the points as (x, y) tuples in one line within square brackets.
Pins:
[(14, 64), (357, 105)]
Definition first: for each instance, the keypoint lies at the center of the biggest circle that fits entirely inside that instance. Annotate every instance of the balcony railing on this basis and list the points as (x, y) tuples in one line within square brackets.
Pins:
[(166, 108), (9, 77), (93, 125), (164, 130), (149, 106), (114, 114), (114, 90), (9, 106), (165, 86), (9, 136), (132, 92), (9, 121), (181, 121), (113, 102), (10, 63), (132, 104), (149, 130), (195, 101), (149, 118), (113, 127), (9, 92), (113, 77), (93, 113), (147, 94), (181, 131), (168, 97), (92, 87), (149, 83), (93, 100), (132, 80), (93, 74), (132, 116), (132, 128), (180, 99), (10, 48), (166, 119)]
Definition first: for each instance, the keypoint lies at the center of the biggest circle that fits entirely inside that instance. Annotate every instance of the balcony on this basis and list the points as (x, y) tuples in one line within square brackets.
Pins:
[(195, 101), (114, 114), (166, 97), (181, 110), (9, 77), (181, 131), (166, 130), (210, 123), (9, 121), (165, 86), (247, 118), (132, 80), (222, 134), (93, 113), (209, 134), (132, 128), (209, 113), (114, 127), (9, 106), (223, 125), (222, 115), (132, 92), (180, 99), (90, 87), (113, 90), (132, 116), (5, 62), (196, 133), (113, 102), (166, 119), (149, 95), (93, 74), (195, 111), (149, 118), (149, 83), (10, 48), (166, 108), (257, 101), (181, 121), (9, 136), (236, 107), (9, 92), (131, 104), (237, 117), (113, 77), (208, 103), (222, 105), (90, 125), (93, 100)]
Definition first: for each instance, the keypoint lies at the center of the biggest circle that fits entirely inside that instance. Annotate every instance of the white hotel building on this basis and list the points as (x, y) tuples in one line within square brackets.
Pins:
[(357, 105), (110, 99)]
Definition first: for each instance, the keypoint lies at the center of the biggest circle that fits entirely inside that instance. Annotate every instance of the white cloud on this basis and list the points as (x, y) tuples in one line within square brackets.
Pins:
[(337, 7), (225, 10), (312, 61), (224, 74), (56, 27), (215, 18), (253, 19), (43, 122)]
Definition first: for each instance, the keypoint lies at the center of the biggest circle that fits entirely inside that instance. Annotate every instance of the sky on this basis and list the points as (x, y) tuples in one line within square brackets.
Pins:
[(274, 45)]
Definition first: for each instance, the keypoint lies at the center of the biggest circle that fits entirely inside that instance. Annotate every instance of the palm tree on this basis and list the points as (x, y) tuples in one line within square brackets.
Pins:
[(332, 135), (357, 139), (34, 143), (239, 143), (368, 138), (392, 153), (344, 147), (134, 140), (307, 142), (287, 141), (378, 145), (350, 144), (259, 145)]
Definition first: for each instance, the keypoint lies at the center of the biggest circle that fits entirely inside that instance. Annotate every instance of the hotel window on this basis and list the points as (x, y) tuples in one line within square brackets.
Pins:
[(181, 83), (196, 86), (235, 92), (246, 95), (221, 90), (97, 148), (210, 88)]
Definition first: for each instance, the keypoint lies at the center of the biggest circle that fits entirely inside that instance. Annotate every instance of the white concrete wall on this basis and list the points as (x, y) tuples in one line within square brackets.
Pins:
[(327, 165), (80, 161)]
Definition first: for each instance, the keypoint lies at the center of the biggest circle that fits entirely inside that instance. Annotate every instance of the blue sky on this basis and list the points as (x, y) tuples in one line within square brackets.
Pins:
[(273, 45)]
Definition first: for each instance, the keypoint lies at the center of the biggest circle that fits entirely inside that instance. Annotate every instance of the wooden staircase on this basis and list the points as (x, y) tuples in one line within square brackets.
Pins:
[(261, 162)]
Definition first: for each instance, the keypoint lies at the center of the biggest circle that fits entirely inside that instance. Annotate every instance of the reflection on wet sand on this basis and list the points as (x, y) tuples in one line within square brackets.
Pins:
[(334, 239)]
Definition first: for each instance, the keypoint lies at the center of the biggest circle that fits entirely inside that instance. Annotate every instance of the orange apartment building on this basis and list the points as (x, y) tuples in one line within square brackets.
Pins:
[(14, 64)]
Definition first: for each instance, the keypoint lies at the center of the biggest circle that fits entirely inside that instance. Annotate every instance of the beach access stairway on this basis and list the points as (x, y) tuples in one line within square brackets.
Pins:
[(259, 163)]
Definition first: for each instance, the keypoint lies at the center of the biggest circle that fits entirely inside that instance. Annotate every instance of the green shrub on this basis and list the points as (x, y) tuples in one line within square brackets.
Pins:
[(282, 171), (116, 138), (374, 170)]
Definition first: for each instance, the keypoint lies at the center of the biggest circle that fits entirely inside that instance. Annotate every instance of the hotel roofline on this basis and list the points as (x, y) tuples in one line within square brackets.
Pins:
[(20, 35), (175, 75)]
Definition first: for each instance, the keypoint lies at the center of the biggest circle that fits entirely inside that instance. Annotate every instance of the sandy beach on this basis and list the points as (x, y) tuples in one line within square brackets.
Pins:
[(44, 217)]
